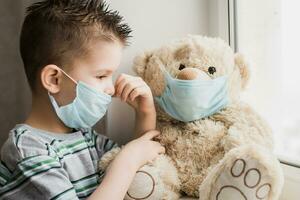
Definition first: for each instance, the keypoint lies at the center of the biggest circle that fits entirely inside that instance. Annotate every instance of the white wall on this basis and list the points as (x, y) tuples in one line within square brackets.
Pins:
[(154, 23)]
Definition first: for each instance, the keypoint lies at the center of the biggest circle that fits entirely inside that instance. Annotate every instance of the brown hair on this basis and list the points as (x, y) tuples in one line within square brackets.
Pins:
[(55, 31)]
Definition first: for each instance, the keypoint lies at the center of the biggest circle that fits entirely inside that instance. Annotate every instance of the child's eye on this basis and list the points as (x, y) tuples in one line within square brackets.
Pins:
[(101, 77)]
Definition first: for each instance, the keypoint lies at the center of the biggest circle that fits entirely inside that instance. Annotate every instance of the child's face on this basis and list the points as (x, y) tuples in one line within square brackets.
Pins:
[(96, 70)]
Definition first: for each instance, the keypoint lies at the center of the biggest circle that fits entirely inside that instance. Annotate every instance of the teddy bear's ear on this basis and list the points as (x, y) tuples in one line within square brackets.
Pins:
[(140, 63), (183, 52), (243, 67)]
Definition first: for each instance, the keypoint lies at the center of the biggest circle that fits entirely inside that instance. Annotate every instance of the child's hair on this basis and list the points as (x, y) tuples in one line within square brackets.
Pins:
[(55, 31)]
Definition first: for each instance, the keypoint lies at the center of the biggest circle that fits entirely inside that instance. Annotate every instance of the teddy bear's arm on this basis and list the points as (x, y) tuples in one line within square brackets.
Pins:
[(245, 126)]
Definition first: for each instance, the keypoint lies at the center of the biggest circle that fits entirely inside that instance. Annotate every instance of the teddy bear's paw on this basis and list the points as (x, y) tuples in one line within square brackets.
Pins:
[(246, 179), (147, 185), (151, 182), (144, 190)]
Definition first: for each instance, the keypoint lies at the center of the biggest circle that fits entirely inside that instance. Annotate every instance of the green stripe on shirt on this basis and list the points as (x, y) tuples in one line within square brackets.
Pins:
[(50, 163), (4, 173), (19, 182), (27, 171), (65, 150)]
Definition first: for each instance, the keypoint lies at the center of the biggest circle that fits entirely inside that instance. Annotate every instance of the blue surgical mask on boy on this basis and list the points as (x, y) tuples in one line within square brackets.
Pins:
[(189, 100), (88, 107)]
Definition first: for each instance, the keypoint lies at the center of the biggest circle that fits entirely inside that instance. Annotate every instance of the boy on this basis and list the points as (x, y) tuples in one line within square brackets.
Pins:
[(70, 49)]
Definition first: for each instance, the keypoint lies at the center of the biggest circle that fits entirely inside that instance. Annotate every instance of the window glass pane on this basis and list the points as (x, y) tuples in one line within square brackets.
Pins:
[(268, 36)]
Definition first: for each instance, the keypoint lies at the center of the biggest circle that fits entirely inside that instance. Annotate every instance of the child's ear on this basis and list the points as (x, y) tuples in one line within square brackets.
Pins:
[(140, 63), (243, 67), (51, 76)]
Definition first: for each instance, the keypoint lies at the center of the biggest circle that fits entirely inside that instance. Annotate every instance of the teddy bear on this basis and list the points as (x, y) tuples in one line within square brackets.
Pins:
[(217, 146)]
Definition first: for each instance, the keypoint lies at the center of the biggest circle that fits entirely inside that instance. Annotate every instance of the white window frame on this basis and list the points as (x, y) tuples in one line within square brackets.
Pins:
[(222, 21)]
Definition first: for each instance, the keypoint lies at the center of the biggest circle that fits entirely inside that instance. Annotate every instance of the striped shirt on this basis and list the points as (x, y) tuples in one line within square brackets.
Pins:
[(37, 164)]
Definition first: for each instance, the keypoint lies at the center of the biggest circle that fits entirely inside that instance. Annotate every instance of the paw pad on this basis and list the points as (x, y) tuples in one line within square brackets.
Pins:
[(238, 168), (145, 192), (263, 191), (244, 182)]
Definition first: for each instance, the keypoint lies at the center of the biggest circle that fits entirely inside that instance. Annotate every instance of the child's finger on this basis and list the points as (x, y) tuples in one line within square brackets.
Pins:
[(120, 86), (150, 134), (162, 150), (134, 93), (139, 91), (120, 78), (128, 88)]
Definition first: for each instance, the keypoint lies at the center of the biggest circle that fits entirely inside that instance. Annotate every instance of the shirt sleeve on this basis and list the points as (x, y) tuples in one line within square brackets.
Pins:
[(33, 174)]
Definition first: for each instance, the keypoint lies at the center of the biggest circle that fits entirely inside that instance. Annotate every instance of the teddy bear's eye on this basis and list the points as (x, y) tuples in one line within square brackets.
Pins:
[(181, 67), (212, 70)]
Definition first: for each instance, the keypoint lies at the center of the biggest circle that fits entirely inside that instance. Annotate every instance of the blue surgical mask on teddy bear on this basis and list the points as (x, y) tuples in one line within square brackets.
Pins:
[(189, 100), (88, 107)]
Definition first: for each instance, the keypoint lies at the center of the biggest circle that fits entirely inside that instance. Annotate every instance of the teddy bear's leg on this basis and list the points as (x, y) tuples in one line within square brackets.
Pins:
[(156, 181), (245, 173)]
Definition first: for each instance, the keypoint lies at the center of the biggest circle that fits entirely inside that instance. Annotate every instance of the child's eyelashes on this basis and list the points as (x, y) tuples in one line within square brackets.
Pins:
[(101, 77)]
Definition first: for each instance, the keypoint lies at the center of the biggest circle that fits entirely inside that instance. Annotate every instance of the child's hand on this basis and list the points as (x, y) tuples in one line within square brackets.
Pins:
[(135, 92), (143, 150)]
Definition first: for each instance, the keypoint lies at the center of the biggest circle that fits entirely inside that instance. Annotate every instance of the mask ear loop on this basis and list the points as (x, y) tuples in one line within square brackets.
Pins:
[(67, 75), (166, 73)]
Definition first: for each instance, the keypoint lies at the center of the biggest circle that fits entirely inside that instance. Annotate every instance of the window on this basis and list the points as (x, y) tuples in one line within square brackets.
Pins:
[(266, 32)]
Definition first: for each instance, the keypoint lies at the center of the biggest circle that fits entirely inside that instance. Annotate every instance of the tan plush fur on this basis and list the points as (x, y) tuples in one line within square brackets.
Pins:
[(199, 151)]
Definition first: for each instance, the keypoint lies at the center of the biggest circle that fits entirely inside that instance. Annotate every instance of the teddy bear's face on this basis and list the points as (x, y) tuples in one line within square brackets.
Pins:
[(190, 58)]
